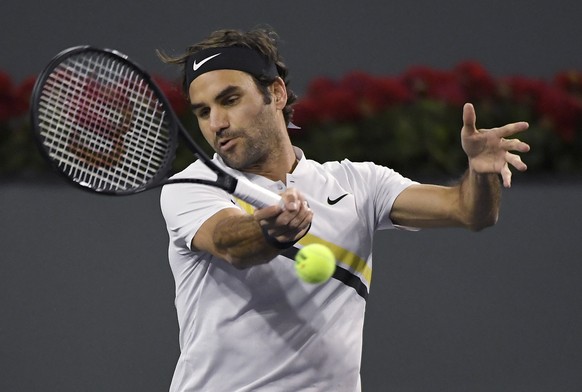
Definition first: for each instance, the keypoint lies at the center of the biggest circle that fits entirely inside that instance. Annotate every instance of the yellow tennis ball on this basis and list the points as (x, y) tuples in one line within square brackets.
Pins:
[(315, 263)]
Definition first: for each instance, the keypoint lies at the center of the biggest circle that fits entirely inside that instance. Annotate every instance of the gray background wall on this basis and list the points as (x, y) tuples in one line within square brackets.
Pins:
[(320, 36), (86, 295)]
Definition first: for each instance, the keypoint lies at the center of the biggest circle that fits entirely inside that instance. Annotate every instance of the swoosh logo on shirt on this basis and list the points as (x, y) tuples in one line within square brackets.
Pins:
[(196, 65), (334, 201)]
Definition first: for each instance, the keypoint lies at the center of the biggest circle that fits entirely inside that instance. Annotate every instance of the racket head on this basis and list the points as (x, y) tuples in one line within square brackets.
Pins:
[(102, 123)]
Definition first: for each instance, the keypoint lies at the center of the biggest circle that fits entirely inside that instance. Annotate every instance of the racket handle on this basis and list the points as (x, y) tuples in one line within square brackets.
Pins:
[(254, 194)]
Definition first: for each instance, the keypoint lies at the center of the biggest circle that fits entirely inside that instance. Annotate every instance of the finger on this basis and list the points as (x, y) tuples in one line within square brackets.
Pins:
[(514, 145), (515, 161), (291, 223), (267, 213), (469, 118), (288, 232), (291, 199), (296, 226), (303, 219), (512, 129), (506, 176), (291, 220)]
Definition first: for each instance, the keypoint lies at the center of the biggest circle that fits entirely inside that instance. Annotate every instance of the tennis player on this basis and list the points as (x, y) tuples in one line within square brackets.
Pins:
[(246, 322)]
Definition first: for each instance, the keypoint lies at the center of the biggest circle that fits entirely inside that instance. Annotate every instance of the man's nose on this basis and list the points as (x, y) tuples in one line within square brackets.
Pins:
[(218, 120)]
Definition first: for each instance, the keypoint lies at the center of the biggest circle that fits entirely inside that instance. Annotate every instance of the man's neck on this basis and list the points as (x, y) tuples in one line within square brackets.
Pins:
[(277, 166)]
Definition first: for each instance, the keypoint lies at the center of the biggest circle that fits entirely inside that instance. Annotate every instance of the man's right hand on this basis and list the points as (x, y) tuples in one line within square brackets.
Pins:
[(289, 221)]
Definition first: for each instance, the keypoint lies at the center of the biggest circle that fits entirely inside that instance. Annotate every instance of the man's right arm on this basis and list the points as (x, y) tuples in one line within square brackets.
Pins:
[(239, 238)]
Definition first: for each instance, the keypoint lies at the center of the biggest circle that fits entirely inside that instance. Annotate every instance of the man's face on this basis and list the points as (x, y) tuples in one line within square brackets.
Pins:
[(234, 118)]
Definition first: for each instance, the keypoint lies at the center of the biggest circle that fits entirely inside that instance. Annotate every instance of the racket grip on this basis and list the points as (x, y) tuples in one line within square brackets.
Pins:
[(254, 194)]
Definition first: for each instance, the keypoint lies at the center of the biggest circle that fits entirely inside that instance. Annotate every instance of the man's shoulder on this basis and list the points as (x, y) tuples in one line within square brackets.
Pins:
[(346, 166), (195, 168)]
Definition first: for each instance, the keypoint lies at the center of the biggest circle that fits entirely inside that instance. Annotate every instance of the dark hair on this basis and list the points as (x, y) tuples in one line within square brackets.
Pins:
[(263, 40)]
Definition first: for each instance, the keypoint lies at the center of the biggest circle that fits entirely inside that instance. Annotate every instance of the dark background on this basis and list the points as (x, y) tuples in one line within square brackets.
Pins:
[(319, 37), (86, 294)]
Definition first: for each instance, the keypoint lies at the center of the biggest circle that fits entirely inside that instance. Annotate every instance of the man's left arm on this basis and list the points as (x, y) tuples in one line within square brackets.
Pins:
[(474, 202)]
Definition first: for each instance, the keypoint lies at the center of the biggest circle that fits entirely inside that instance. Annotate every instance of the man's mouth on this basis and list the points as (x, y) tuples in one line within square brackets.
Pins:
[(226, 144)]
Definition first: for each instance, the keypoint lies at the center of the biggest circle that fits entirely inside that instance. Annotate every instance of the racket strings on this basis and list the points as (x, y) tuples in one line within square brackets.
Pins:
[(103, 124)]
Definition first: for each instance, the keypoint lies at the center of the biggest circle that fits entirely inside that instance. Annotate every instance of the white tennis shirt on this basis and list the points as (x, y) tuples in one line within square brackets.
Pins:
[(262, 329)]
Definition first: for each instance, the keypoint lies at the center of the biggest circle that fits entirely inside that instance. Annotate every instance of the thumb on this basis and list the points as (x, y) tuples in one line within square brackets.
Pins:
[(469, 118), (290, 200)]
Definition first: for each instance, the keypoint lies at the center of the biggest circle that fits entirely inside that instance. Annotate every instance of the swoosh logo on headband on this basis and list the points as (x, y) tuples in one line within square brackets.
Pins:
[(196, 65)]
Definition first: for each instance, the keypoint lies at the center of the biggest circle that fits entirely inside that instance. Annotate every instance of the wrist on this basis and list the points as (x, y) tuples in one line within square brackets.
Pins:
[(282, 245)]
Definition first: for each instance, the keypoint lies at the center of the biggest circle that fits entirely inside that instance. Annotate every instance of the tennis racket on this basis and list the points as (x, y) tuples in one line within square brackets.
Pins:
[(102, 122)]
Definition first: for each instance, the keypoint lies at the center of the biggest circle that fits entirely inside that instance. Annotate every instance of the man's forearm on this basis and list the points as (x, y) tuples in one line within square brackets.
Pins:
[(480, 196), (241, 241)]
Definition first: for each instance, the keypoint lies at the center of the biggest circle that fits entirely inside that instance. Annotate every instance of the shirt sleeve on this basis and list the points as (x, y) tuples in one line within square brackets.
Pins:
[(377, 187), (185, 207), (389, 185)]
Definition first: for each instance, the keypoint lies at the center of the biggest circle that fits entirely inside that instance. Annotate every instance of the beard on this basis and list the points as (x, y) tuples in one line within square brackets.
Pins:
[(249, 152), (256, 144)]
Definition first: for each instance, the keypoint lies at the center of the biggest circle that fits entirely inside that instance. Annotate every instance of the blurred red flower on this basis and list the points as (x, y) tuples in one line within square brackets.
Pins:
[(174, 94), (355, 96), (14, 100), (305, 112), (376, 93), (7, 97), (23, 95), (435, 84), (475, 80), (563, 110), (570, 81), (339, 104), (326, 101), (522, 90)]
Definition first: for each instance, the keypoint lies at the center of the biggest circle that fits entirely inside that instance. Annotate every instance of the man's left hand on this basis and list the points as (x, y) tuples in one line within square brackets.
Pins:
[(488, 150)]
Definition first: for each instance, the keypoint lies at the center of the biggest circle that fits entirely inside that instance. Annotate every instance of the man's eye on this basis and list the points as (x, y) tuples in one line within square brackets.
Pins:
[(231, 100), (202, 113)]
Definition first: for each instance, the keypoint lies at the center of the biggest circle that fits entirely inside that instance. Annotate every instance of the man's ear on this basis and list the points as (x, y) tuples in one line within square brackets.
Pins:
[(279, 92)]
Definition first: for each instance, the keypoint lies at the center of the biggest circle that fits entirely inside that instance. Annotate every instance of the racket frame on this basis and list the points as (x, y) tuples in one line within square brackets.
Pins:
[(240, 187)]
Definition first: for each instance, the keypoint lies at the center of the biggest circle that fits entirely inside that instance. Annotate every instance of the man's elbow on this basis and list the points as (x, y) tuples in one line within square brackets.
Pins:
[(242, 261), (482, 222)]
